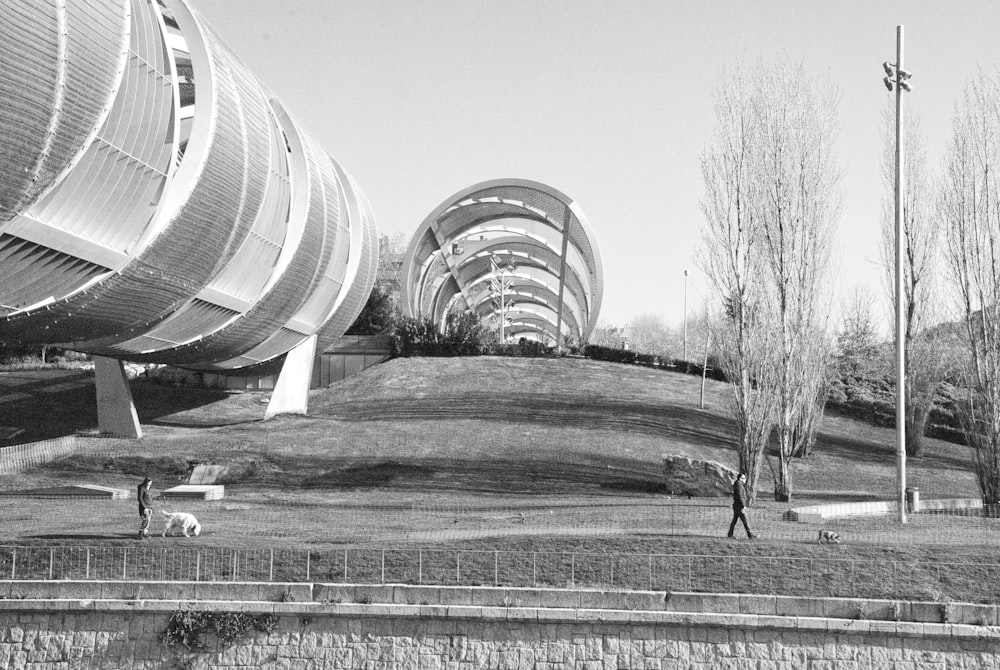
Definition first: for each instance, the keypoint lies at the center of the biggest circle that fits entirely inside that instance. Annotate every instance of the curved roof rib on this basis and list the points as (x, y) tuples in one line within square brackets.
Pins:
[(521, 238)]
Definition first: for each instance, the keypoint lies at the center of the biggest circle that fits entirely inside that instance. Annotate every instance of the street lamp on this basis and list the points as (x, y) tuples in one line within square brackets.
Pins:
[(685, 317), (896, 77)]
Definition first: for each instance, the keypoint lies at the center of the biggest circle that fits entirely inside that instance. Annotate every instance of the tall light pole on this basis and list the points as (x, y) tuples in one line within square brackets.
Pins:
[(896, 77), (685, 317)]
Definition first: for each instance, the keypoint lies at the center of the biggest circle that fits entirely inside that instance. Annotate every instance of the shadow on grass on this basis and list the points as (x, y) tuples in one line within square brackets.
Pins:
[(868, 451), (48, 404), (591, 472), (84, 536), (591, 413)]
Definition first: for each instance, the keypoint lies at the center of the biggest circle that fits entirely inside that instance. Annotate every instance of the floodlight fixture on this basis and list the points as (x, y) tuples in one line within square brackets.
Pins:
[(887, 82), (903, 75), (888, 68), (905, 86)]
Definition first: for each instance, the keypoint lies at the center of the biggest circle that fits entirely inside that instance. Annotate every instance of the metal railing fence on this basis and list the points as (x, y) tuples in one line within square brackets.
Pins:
[(771, 575)]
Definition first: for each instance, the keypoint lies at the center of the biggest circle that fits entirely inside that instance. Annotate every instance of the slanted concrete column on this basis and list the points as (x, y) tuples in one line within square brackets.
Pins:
[(291, 392), (116, 413)]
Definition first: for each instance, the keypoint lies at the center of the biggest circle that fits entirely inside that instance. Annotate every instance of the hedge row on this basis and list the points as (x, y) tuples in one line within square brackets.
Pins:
[(627, 357)]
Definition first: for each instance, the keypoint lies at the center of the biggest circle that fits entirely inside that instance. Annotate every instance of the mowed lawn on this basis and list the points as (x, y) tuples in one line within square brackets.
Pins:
[(451, 453)]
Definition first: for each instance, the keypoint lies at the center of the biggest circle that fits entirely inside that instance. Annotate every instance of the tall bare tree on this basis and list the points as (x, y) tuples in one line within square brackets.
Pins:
[(731, 259), (771, 205), (970, 208), (923, 347), (800, 206)]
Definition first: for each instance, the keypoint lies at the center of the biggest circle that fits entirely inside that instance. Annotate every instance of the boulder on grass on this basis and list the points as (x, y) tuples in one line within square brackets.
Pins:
[(695, 478)]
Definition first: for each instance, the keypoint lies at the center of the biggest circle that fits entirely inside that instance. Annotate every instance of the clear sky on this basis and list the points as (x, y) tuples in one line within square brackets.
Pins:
[(606, 100)]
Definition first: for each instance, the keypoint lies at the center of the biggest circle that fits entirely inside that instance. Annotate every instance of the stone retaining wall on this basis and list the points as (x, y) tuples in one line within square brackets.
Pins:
[(331, 631)]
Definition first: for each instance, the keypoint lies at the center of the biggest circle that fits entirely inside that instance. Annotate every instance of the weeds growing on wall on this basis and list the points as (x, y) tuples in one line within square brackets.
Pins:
[(191, 628)]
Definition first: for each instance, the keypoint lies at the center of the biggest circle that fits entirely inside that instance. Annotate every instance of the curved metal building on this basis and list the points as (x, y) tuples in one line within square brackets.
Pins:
[(158, 204), (518, 253)]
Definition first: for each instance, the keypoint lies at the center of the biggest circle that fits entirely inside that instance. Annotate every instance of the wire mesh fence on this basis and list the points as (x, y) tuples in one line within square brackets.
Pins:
[(372, 519), (775, 575)]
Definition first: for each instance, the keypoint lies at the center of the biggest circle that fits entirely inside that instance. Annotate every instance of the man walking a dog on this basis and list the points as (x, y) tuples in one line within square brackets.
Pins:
[(145, 506), (740, 500)]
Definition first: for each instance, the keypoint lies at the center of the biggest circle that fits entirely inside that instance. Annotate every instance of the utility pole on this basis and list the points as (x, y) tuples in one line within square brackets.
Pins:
[(897, 77)]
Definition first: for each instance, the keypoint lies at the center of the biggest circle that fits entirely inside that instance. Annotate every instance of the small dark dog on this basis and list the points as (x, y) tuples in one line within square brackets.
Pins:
[(828, 536)]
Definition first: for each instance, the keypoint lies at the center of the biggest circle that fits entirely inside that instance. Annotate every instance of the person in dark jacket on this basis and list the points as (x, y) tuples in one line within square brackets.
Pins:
[(740, 500), (145, 506)]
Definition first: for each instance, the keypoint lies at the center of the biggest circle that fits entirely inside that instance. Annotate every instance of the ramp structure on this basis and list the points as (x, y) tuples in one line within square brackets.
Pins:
[(158, 204)]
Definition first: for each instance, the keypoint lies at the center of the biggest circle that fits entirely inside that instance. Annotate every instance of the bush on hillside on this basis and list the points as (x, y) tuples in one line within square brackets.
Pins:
[(524, 348), (464, 335), (873, 399)]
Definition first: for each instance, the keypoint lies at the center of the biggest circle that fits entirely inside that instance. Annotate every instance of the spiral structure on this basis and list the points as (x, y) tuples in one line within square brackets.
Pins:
[(157, 204), (518, 253)]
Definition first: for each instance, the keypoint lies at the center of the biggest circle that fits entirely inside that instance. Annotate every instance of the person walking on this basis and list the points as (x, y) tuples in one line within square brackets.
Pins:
[(145, 506), (740, 500)]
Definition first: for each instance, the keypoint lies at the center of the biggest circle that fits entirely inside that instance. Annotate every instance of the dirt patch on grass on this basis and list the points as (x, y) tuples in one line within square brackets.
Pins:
[(161, 469), (368, 475)]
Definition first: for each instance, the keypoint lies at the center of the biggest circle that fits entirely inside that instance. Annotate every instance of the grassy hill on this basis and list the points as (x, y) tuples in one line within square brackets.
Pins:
[(497, 453), (485, 424)]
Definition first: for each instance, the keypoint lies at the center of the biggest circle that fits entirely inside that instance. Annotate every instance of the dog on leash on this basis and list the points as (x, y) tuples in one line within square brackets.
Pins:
[(183, 521), (828, 536)]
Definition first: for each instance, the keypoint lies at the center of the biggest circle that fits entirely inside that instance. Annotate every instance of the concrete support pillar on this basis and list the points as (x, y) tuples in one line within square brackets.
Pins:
[(291, 392), (116, 413)]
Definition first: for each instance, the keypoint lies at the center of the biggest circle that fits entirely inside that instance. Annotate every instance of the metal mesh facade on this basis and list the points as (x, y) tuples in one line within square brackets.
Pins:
[(518, 253), (156, 203)]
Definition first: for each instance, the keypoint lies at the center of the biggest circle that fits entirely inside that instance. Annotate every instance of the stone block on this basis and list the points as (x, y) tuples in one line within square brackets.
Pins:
[(593, 599), (972, 614), (433, 611), (754, 604), (333, 593), (454, 595), (882, 610), (76, 590), (528, 597), (910, 628), (843, 608), (416, 595), (219, 591), (927, 612), (489, 596), (493, 613), (178, 590), (692, 477), (810, 623), (848, 626), (795, 606), (281, 592), (562, 598), (884, 627), (34, 589), (554, 615), (644, 600), (522, 614), (701, 602), (372, 593), (148, 590), (465, 611)]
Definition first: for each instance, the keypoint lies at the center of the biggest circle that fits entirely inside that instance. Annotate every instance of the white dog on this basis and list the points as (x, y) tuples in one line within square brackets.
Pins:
[(828, 536), (186, 522)]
